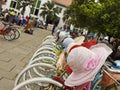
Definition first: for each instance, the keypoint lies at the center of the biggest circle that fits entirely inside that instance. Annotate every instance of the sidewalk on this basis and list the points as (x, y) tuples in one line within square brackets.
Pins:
[(15, 55)]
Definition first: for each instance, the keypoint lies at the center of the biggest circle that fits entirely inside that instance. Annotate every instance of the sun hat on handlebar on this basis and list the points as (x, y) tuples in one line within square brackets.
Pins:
[(61, 36), (77, 41), (87, 44), (85, 63), (73, 45), (66, 42)]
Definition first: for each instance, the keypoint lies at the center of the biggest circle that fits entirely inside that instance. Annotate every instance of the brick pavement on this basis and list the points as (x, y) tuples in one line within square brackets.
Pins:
[(14, 55)]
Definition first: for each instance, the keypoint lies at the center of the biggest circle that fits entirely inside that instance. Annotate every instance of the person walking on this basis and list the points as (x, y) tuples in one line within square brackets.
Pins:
[(53, 29)]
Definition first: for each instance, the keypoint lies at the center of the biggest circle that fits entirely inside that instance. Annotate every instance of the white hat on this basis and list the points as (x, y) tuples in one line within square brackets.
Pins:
[(67, 42), (62, 35), (77, 41), (85, 63)]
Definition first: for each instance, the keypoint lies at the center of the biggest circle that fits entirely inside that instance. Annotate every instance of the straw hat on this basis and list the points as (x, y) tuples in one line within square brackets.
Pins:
[(85, 63), (79, 39)]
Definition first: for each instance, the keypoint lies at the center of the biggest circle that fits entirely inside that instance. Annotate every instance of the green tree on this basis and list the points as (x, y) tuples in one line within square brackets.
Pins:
[(49, 12), (101, 17)]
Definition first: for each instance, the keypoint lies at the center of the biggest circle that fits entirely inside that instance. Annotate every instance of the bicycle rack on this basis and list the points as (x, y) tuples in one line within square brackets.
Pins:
[(40, 68)]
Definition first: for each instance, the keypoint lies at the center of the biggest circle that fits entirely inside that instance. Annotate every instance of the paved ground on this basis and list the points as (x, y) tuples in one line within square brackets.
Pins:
[(14, 55)]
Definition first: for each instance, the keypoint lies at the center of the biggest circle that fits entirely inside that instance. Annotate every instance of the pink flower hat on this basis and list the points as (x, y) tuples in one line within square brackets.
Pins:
[(85, 63)]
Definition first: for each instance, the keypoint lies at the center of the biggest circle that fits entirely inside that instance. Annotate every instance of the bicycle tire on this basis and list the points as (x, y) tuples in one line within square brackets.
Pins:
[(112, 87), (47, 45), (45, 59), (45, 48), (36, 80), (45, 53), (9, 34), (47, 42), (17, 33), (29, 67), (98, 87), (48, 38)]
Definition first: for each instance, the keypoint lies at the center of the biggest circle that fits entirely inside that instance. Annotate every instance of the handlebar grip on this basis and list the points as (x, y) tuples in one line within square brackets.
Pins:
[(112, 61)]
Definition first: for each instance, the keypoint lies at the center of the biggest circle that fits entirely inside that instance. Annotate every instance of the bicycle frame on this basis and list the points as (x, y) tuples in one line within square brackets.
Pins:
[(99, 75)]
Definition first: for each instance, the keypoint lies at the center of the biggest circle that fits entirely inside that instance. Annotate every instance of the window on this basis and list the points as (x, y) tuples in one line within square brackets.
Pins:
[(13, 4), (36, 12), (35, 8)]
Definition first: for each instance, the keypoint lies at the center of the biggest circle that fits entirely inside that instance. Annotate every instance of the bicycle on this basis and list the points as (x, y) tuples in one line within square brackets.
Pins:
[(6, 25), (7, 32), (42, 66), (50, 81), (108, 71), (16, 31)]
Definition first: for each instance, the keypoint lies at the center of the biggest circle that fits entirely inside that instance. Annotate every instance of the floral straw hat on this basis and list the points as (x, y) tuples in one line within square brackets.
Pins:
[(85, 63)]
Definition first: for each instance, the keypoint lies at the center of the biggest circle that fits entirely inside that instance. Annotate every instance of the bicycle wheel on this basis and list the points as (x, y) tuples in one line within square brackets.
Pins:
[(112, 87), (45, 70), (17, 33), (44, 48), (44, 59), (9, 34), (98, 87), (45, 53), (46, 84)]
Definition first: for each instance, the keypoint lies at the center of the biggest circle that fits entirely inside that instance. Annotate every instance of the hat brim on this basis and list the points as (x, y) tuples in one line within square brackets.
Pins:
[(76, 79), (80, 78), (79, 39)]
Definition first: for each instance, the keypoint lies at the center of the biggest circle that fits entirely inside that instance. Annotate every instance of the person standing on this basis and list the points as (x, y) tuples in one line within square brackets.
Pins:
[(53, 29)]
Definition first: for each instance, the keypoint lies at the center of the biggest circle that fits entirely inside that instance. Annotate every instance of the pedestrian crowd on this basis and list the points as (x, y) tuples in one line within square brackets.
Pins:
[(13, 17)]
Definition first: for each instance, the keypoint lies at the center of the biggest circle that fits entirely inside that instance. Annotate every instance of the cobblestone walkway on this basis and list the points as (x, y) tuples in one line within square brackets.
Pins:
[(14, 55)]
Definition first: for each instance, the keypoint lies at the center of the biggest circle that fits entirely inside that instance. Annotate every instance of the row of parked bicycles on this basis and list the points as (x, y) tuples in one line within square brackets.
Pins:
[(41, 73), (9, 31)]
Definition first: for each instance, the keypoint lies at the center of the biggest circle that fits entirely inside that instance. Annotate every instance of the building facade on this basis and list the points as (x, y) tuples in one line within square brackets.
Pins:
[(35, 11)]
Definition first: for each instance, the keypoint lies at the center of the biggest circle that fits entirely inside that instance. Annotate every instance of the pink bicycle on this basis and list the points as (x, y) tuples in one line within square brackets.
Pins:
[(7, 31)]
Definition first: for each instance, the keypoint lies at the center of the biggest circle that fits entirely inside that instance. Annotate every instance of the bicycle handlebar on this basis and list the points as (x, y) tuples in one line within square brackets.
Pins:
[(112, 61), (116, 71), (117, 81)]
